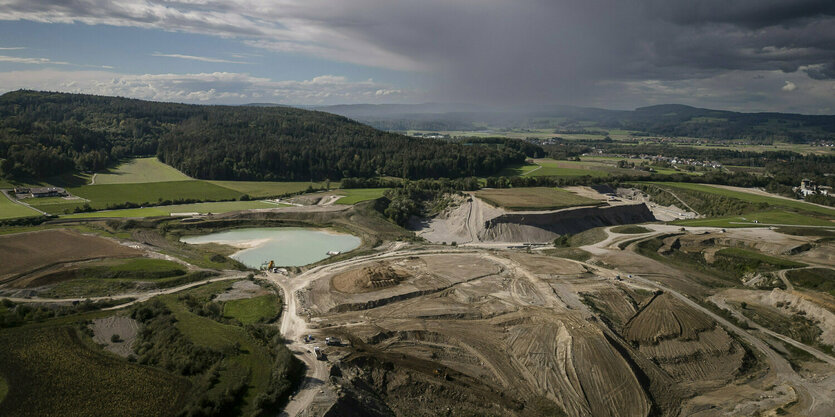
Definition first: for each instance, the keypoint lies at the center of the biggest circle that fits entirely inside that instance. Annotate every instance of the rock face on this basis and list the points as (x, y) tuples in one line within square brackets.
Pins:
[(540, 227)]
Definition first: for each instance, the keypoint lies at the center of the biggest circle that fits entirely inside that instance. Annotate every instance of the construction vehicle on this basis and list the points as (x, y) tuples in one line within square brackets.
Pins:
[(320, 355), (268, 266), (333, 341)]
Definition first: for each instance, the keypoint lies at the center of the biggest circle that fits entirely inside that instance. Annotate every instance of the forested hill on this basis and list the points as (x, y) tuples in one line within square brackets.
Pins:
[(46, 134), (666, 120)]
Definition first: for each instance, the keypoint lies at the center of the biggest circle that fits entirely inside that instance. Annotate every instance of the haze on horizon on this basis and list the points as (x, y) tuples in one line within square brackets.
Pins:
[(743, 55)]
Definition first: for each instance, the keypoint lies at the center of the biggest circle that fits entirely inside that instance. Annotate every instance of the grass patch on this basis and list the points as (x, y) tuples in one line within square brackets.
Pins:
[(630, 229), (158, 211), (140, 268), (253, 310), (141, 170), (534, 198), (588, 237), (763, 219), (11, 210), (749, 197), (92, 287), (107, 195), (262, 189), (756, 260), (817, 279), (552, 168), (53, 373), (517, 170), (242, 351), (4, 389), (568, 253), (356, 195)]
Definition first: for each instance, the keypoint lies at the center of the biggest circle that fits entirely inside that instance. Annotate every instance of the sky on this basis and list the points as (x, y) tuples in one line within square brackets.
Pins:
[(743, 55)]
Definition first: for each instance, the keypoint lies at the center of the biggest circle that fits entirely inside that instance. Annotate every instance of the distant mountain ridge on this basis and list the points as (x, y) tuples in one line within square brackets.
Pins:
[(664, 119)]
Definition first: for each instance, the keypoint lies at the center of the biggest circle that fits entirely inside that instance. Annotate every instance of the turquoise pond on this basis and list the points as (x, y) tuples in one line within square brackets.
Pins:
[(287, 246)]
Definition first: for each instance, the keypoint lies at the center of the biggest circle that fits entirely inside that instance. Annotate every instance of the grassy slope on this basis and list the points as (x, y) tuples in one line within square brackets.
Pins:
[(764, 218), (553, 168), (630, 229), (751, 198), (261, 189), (216, 207), (10, 210), (356, 195), (251, 310), (207, 332), (141, 170), (535, 198), (748, 255), (100, 196), (4, 388), (818, 279), (52, 373)]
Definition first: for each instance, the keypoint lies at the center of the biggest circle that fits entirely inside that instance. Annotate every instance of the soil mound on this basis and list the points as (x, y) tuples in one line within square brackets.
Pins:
[(687, 344), (369, 278)]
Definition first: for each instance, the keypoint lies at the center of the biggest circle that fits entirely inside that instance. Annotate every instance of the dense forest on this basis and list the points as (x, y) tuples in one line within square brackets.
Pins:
[(48, 134)]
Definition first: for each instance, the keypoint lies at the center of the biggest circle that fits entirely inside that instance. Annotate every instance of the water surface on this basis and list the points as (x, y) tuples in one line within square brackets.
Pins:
[(287, 246)]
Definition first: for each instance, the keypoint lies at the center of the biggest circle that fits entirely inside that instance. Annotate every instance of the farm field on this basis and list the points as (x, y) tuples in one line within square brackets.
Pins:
[(41, 248), (553, 168), (750, 197), (535, 198), (11, 210), (764, 218), (357, 195), (141, 170), (252, 310), (102, 196), (212, 207), (261, 189), (48, 368)]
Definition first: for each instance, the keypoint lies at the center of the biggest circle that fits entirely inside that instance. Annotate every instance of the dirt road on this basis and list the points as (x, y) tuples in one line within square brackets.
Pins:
[(139, 297)]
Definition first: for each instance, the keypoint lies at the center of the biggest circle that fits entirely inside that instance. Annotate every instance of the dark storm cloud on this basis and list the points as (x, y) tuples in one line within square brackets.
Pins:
[(822, 72), (599, 52), (748, 13)]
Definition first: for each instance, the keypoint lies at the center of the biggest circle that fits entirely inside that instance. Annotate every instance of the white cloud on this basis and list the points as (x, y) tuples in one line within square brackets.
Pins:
[(11, 48), (789, 86), (33, 61), (198, 58), (216, 87)]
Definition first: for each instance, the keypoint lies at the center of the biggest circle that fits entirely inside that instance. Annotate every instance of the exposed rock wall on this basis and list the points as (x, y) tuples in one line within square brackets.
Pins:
[(545, 227)]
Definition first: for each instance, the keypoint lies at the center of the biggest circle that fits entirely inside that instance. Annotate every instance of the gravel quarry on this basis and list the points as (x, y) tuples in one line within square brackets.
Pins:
[(472, 330), (473, 221)]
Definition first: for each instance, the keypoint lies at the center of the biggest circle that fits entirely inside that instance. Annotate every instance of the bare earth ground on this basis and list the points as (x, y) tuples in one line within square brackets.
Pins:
[(470, 323), (26, 252), (124, 327)]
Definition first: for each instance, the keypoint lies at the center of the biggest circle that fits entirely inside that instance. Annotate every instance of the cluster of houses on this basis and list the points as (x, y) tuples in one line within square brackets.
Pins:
[(37, 192), (674, 160), (809, 187), (432, 135)]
